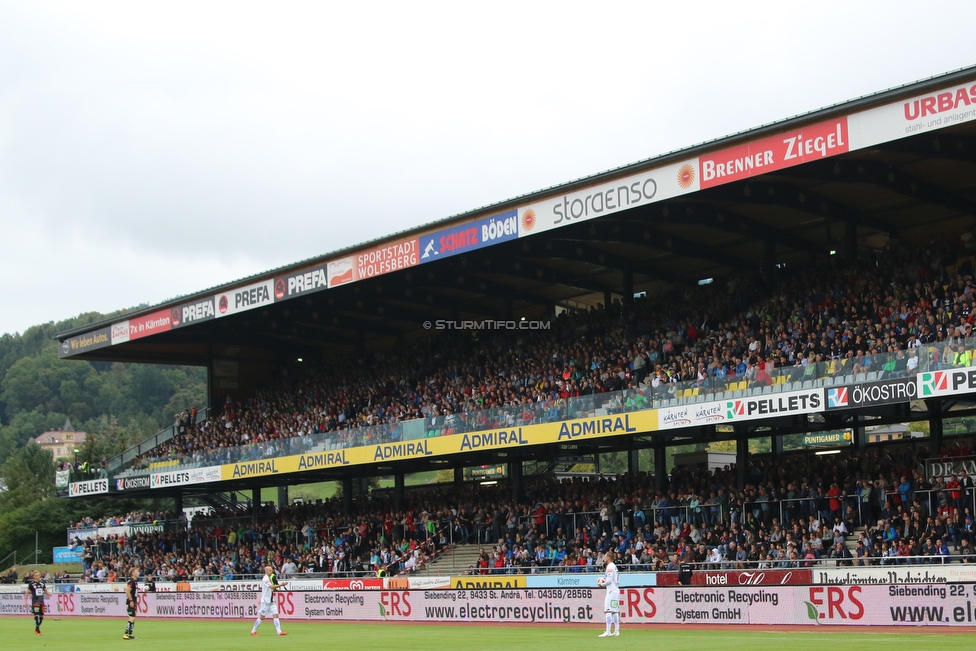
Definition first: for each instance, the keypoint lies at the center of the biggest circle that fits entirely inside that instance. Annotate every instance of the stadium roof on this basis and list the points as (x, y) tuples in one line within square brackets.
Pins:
[(897, 164)]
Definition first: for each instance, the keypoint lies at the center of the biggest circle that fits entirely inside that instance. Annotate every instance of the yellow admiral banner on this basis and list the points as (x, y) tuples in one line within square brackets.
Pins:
[(540, 434)]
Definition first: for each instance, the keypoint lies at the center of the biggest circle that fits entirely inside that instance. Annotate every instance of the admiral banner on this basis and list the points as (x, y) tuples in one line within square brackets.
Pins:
[(740, 409), (609, 197), (86, 342), (543, 433), (83, 488), (469, 236), (953, 382), (184, 477), (871, 394), (858, 605), (243, 299)]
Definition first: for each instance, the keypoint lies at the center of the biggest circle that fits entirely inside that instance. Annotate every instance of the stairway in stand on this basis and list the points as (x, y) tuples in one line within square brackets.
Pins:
[(454, 562)]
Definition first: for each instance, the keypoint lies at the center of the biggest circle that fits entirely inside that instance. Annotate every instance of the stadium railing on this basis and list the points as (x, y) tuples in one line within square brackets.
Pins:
[(791, 378)]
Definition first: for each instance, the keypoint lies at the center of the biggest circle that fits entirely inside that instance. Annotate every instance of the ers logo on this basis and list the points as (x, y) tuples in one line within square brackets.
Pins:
[(285, 605), (142, 603), (396, 604), (638, 604), (838, 603), (66, 602)]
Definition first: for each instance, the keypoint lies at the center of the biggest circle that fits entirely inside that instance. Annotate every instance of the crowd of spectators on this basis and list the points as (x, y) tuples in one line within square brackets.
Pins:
[(832, 319), (797, 511)]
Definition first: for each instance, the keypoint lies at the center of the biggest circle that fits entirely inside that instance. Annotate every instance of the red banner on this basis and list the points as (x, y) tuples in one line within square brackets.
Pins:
[(816, 141), (150, 324), (741, 577)]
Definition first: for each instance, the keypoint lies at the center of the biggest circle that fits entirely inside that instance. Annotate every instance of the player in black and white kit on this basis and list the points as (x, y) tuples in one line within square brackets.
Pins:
[(268, 605), (611, 603), (36, 591), (131, 588)]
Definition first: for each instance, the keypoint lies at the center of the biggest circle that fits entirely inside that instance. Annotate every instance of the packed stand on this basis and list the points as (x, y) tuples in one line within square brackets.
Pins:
[(798, 512), (830, 320)]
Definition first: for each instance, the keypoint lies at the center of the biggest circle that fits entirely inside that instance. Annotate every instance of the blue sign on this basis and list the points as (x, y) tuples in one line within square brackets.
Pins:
[(588, 579), (67, 554), (468, 237)]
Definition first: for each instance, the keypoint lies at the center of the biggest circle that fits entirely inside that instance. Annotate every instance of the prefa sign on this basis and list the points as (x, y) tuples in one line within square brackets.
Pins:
[(243, 299), (300, 283), (83, 488)]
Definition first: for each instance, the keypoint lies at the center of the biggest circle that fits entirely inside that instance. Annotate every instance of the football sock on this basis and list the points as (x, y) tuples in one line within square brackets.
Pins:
[(616, 621), (609, 619), (277, 624), (257, 622)]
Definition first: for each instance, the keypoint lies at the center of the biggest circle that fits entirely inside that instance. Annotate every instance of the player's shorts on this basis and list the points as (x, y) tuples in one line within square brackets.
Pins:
[(268, 610), (611, 603), (37, 609), (130, 608)]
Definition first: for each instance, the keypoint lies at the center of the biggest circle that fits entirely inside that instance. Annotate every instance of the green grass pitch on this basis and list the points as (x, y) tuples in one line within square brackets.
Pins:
[(99, 634)]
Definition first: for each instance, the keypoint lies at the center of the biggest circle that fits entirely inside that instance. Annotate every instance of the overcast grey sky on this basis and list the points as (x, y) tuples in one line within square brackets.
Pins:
[(151, 150)]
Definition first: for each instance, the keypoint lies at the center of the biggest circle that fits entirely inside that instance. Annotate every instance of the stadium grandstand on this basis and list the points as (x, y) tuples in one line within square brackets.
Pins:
[(806, 283)]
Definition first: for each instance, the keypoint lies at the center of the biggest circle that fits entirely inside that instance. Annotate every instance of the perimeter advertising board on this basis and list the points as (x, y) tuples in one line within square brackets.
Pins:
[(469, 236), (872, 394), (86, 342), (868, 605), (83, 488), (610, 197), (791, 403), (184, 477), (952, 382), (243, 299), (543, 433), (195, 312)]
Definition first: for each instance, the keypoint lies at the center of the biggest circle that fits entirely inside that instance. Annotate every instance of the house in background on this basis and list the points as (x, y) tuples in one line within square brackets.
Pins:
[(63, 442)]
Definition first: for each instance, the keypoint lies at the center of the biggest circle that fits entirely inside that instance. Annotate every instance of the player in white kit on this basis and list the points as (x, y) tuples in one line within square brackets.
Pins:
[(268, 605), (611, 603)]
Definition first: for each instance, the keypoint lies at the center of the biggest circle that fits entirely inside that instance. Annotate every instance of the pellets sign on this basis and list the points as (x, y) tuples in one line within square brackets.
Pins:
[(184, 477), (468, 237), (83, 488), (932, 384), (740, 409)]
